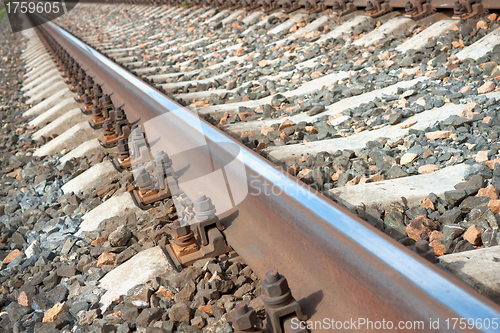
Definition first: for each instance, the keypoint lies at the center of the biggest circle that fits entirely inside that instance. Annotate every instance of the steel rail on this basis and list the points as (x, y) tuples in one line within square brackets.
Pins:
[(337, 265)]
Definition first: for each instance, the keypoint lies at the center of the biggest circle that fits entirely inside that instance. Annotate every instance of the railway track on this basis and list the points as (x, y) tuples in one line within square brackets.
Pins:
[(392, 117)]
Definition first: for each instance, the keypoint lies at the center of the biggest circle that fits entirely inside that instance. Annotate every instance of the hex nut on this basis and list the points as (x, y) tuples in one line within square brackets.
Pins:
[(143, 178), (181, 230), (245, 321), (275, 289)]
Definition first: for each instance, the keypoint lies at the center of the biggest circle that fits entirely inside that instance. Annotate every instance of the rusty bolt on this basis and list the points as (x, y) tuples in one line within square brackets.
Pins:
[(108, 126), (106, 100), (369, 6), (120, 115), (87, 100), (81, 74), (409, 7), (143, 178), (162, 159), (459, 8), (137, 134), (118, 111), (244, 318), (161, 155), (179, 230), (203, 207), (275, 285), (122, 145), (96, 111)]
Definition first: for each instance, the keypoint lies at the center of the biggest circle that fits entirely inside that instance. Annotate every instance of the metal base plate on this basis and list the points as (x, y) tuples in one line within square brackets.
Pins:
[(85, 112), (139, 203), (94, 126), (106, 145)]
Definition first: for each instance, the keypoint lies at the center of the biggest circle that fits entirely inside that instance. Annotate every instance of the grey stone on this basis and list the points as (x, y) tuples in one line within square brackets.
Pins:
[(68, 245), (125, 255), (66, 271), (38, 278), (396, 172), (455, 197), (415, 212), (16, 311), (483, 213), (451, 216), (480, 170), (198, 322), (470, 203), (167, 326), (407, 61), (129, 313), (51, 279), (147, 316), (462, 246), (244, 289), (140, 299), (395, 118), (214, 268), (441, 73), (316, 110), (344, 178), (124, 328), (455, 121), (89, 316), (78, 306), (207, 295), (490, 237), (187, 293), (57, 294), (372, 216), (120, 236), (180, 312), (94, 274), (452, 231), (394, 224), (222, 286), (187, 274)]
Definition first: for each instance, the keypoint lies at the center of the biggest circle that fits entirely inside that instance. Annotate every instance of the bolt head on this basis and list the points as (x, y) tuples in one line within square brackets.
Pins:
[(203, 207), (123, 147), (244, 321), (107, 125), (142, 177), (275, 288), (107, 100), (181, 229), (161, 154), (136, 133)]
